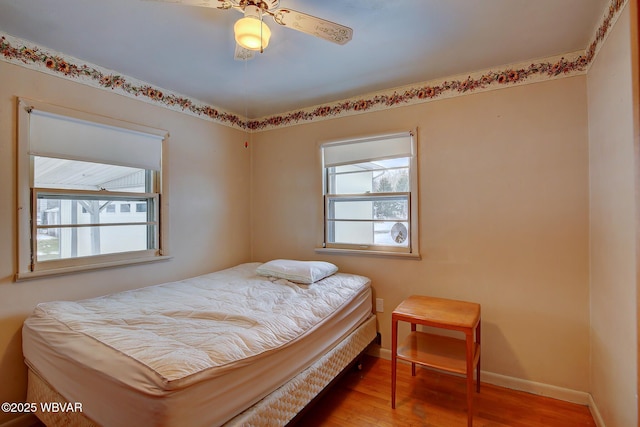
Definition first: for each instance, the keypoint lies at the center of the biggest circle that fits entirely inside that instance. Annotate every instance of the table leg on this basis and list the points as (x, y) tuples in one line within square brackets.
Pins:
[(469, 378), (394, 360), (479, 356), (413, 365)]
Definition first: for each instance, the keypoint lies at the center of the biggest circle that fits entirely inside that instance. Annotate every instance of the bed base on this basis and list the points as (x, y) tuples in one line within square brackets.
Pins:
[(38, 390), (276, 409)]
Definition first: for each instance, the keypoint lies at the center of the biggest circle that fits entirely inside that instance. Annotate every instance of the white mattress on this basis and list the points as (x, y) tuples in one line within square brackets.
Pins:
[(193, 352)]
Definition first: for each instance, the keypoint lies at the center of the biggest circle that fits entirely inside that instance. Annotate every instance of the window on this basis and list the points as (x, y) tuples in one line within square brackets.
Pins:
[(371, 194), (79, 174)]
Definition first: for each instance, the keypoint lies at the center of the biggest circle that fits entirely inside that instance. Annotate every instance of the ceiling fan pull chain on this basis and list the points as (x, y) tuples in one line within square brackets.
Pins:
[(261, 27)]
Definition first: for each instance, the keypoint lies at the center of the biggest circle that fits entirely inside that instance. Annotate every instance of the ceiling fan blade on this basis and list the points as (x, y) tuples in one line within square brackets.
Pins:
[(216, 4), (315, 26), (243, 54)]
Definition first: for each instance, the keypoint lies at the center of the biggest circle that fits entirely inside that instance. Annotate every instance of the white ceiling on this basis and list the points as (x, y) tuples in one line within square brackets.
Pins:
[(189, 50)]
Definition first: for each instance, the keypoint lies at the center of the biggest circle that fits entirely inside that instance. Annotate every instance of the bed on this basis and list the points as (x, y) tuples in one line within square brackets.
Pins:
[(250, 345)]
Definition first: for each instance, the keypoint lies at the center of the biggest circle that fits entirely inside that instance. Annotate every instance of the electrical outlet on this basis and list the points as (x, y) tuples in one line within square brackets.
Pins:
[(379, 305)]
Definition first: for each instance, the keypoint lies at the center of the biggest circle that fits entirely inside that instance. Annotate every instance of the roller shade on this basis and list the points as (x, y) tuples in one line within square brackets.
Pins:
[(367, 149), (53, 135)]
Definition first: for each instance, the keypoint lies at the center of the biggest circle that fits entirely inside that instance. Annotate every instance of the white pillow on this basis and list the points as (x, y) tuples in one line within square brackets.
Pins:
[(297, 271)]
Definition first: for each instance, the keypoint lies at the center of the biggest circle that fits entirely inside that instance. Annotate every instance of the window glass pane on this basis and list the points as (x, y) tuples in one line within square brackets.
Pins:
[(352, 182), (359, 233), (351, 209), (391, 175), (373, 220), (72, 242), (395, 178), (70, 210), (391, 208), (70, 226), (392, 233), (374, 208), (370, 233), (76, 175)]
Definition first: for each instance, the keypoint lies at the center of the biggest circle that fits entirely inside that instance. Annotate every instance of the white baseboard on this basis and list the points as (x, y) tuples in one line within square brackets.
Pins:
[(560, 393), (533, 387), (595, 413)]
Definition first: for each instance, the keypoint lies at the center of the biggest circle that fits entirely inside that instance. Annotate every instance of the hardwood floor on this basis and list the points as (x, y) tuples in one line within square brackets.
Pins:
[(363, 398)]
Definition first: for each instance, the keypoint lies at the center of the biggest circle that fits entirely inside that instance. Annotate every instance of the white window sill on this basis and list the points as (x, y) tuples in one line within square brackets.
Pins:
[(337, 251), (28, 275)]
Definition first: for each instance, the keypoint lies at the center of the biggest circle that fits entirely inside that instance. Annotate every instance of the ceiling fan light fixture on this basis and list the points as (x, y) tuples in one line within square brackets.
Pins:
[(250, 32)]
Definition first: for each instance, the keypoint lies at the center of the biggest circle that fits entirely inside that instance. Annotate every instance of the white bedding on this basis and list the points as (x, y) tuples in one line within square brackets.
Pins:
[(166, 346)]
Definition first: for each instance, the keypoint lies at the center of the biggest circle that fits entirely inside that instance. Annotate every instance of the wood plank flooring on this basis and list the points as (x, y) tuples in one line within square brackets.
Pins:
[(363, 398)]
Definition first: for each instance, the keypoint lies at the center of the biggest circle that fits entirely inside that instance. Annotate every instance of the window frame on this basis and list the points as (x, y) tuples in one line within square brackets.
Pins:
[(413, 249), (28, 266)]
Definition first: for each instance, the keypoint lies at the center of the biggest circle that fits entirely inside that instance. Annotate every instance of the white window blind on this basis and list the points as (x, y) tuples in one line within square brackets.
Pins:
[(367, 149), (53, 135)]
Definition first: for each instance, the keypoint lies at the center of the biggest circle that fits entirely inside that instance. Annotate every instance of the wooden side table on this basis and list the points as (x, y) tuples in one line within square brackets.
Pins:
[(447, 354)]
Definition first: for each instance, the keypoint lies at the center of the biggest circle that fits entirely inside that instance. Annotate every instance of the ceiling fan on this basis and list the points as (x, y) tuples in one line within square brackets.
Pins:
[(252, 34)]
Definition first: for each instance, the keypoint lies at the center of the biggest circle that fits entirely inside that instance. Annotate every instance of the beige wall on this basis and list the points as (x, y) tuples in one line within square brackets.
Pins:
[(503, 218), (612, 229), (209, 212)]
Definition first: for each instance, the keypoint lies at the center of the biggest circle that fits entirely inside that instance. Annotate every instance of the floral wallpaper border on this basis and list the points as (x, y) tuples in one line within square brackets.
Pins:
[(19, 52), (556, 67)]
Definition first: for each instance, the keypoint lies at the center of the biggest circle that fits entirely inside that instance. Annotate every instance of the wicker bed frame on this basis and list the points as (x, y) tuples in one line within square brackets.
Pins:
[(276, 409)]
